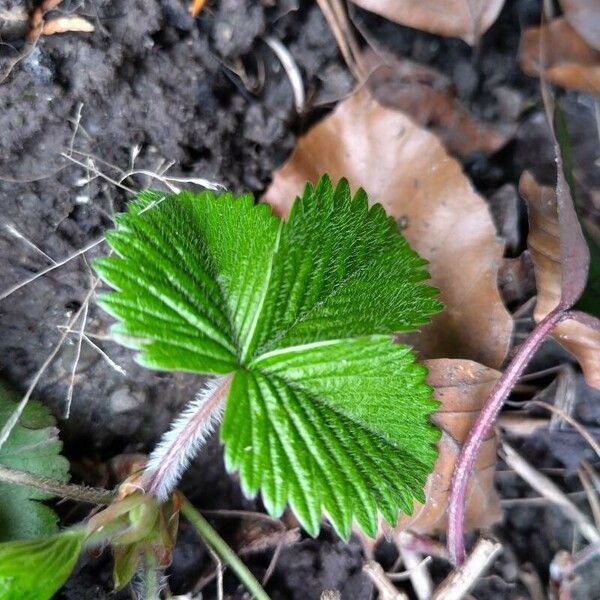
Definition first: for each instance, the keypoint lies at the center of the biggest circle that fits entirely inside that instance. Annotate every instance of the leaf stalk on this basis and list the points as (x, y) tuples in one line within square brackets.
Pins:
[(150, 577), (483, 425), (187, 434), (218, 544)]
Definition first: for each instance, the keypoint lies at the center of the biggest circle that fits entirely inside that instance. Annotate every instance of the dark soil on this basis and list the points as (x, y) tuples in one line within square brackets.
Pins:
[(210, 95)]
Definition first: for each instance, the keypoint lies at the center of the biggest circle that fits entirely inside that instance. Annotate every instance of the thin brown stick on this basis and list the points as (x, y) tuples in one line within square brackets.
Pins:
[(463, 578), (585, 434), (51, 267), (590, 491), (419, 575), (531, 580), (387, 590), (547, 488), (71, 491), (539, 500), (342, 32), (22, 55), (16, 414), (71, 387), (273, 563), (404, 575)]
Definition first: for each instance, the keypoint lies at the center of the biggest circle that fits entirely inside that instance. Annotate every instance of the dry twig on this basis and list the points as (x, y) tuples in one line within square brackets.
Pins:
[(417, 571), (585, 434), (81, 493), (587, 476), (387, 590), (547, 488), (342, 31), (463, 578)]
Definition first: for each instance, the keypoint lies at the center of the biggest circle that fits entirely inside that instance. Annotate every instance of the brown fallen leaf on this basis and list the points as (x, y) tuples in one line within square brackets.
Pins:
[(466, 19), (408, 171), (254, 535), (428, 97), (66, 25), (36, 18), (462, 386), (578, 338), (559, 54), (584, 16)]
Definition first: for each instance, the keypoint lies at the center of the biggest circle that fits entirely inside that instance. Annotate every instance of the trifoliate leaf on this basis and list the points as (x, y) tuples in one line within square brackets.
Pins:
[(325, 411), (36, 569), (32, 446)]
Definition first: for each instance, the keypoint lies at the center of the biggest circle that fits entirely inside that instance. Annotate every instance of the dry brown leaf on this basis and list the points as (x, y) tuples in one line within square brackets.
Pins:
[(466, 19), (407, 170), (560, 55), (462, 386), (544, 246), (66, 25), (428, 97), (258, 535), (584, 16)]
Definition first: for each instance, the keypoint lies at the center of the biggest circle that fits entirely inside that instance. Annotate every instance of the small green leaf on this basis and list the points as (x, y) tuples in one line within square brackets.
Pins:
[(325, 412), (126, 561), (32, 446), (36, 569)]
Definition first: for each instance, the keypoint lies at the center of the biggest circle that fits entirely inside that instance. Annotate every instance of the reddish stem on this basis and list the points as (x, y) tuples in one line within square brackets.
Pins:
[(482, 427)]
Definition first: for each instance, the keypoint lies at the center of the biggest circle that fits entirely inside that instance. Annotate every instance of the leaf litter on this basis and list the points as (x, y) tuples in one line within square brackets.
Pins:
[(429, 98), (462, 387), (406, 169), (559, 54), (313, 303), (403, 221), (544, 243), (466, 19)]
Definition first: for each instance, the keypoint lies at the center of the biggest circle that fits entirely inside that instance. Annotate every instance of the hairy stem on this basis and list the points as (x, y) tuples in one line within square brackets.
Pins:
[(80, 493), (482, 427), (150, 577), (188, 432), (227, 555)]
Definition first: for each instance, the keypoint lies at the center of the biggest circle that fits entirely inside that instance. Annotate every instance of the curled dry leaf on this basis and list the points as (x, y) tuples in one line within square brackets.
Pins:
[(582, 340), (408, 171), (560, 55), (258, 535), (66, 25), (462, 386), (466, 19), (584, 16), (428, 97)]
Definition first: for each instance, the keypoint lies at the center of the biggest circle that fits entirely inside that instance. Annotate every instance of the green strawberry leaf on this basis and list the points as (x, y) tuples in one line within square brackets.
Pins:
[(36, 569), (32, 446), (325, 411)]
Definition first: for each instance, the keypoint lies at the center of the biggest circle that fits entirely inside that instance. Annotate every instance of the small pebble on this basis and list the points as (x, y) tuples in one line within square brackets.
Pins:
[(125, 400)]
